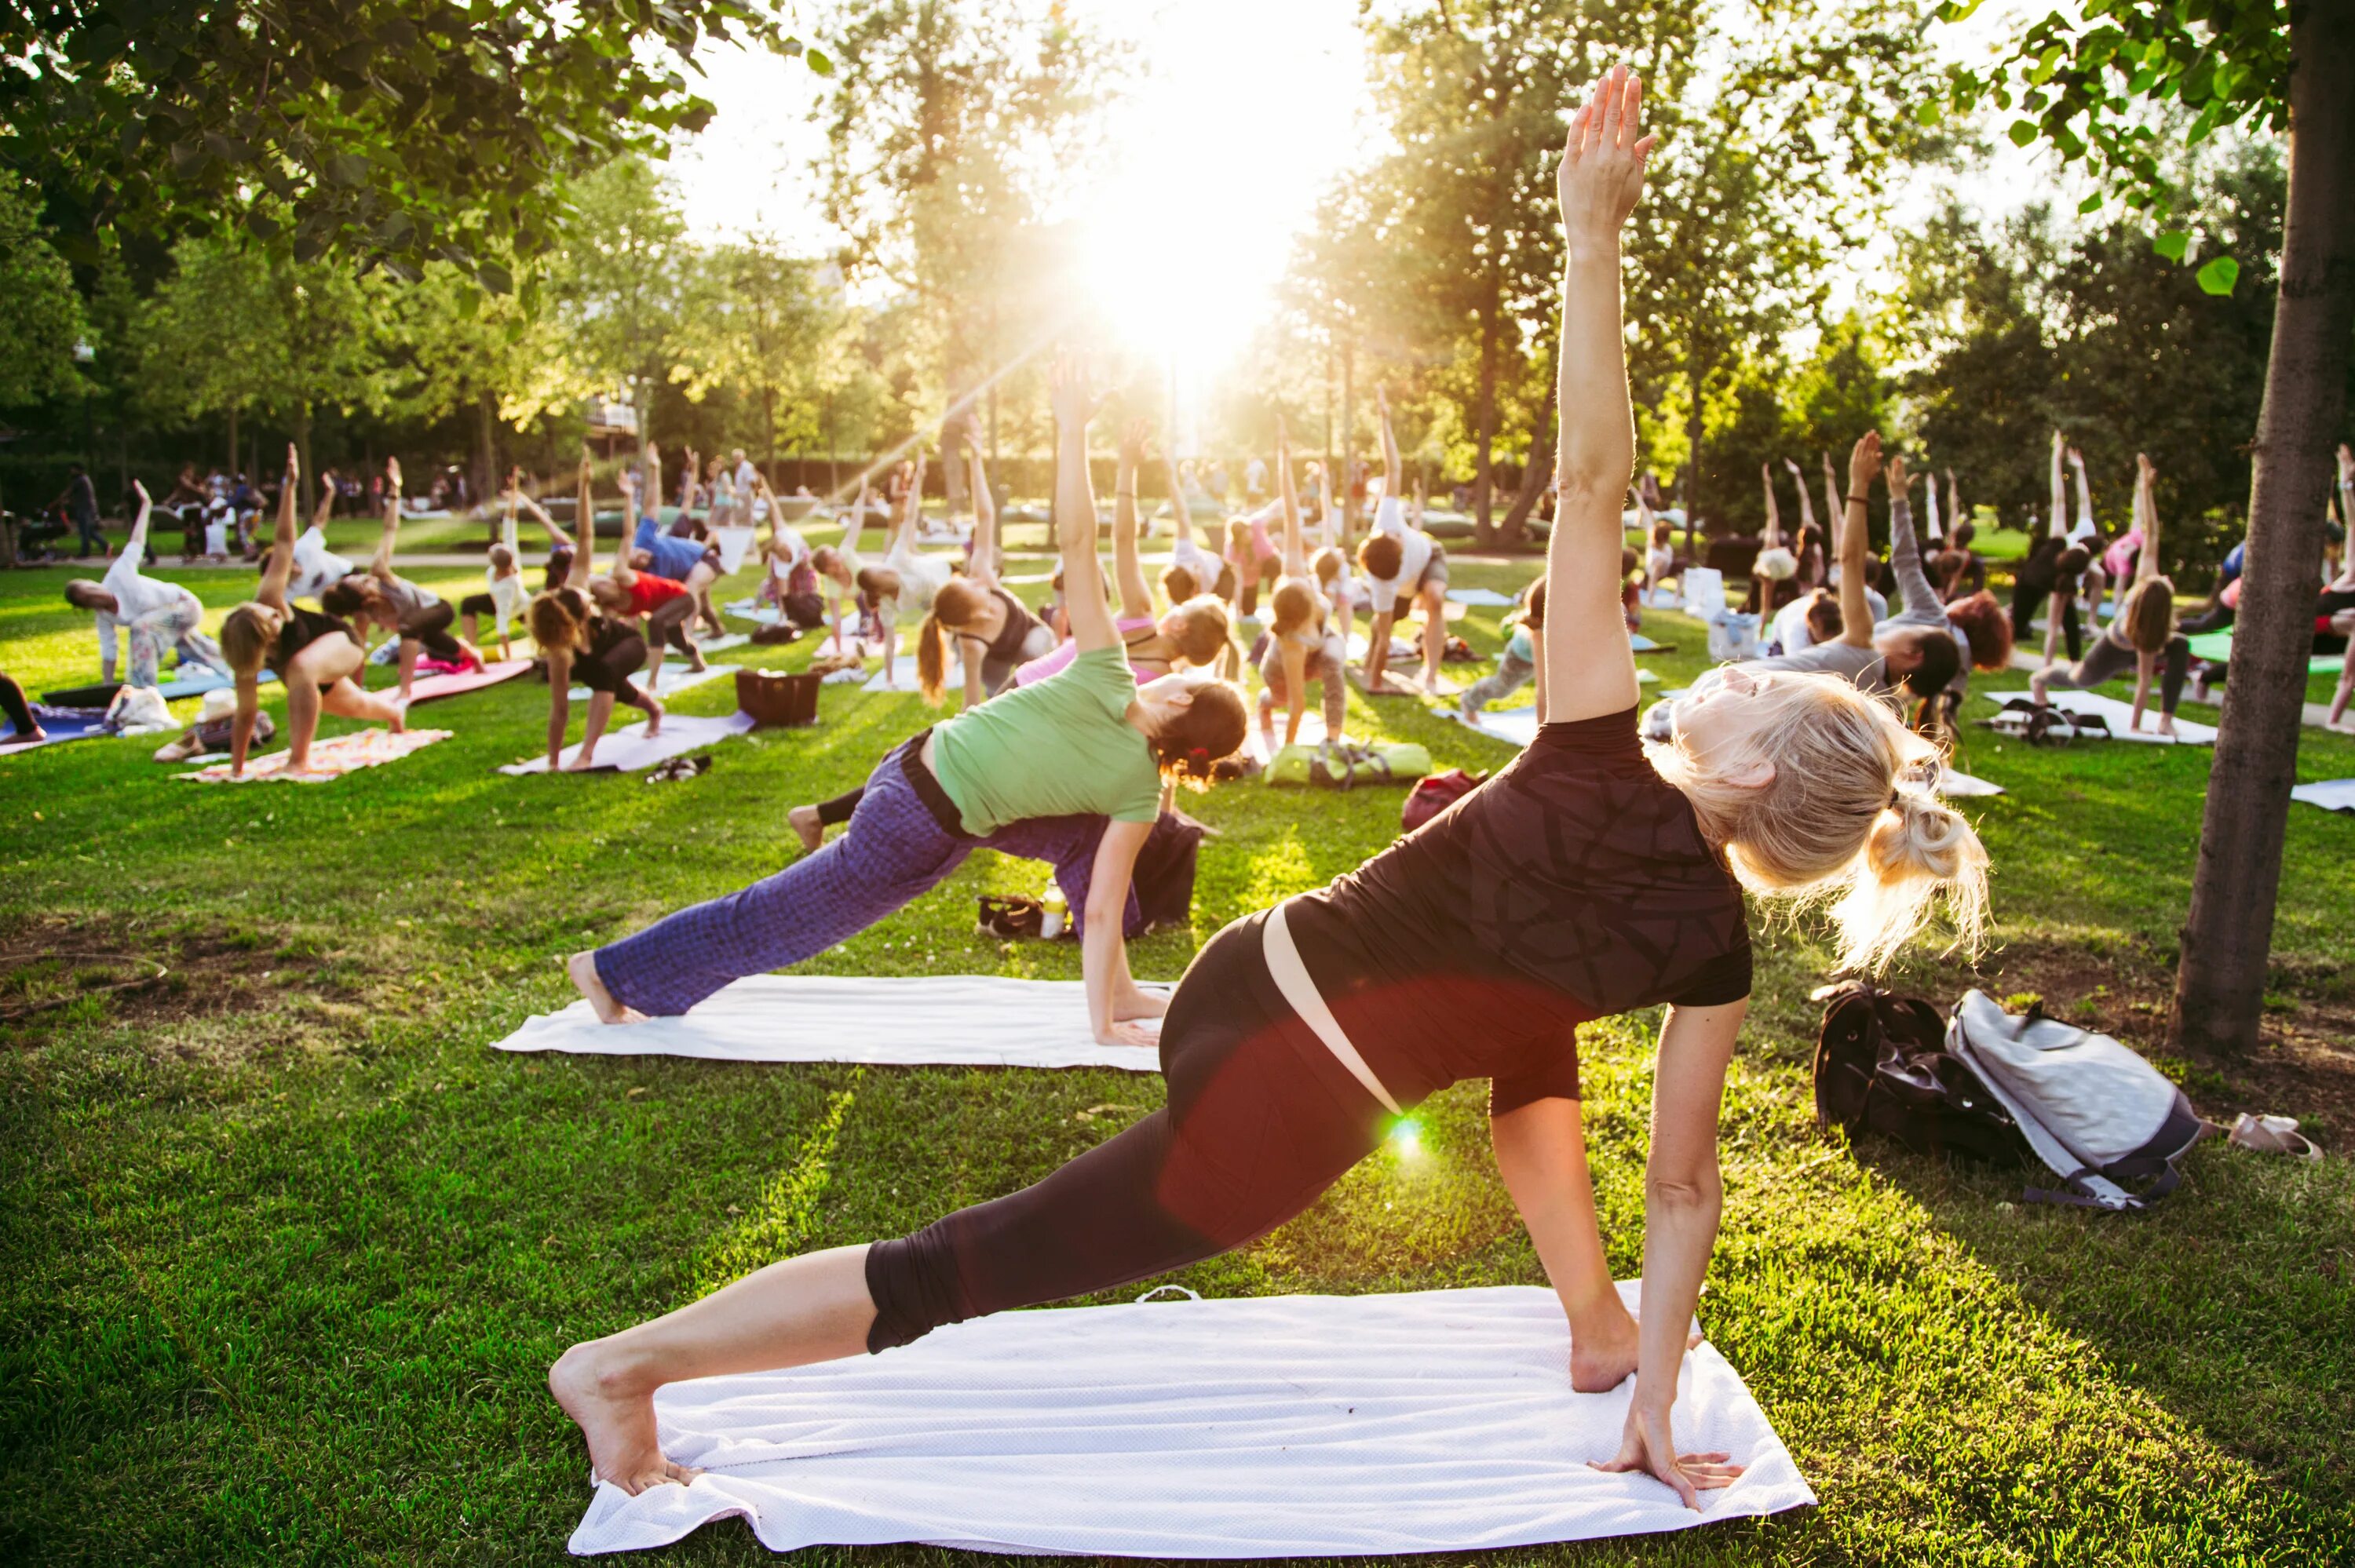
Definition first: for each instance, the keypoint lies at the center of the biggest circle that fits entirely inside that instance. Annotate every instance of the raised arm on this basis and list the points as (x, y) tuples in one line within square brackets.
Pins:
[(1393, 471), (1075, 510), (1930, 506), (911, 510), (2059, 529), (1183, 514), (508, 517), (2084, 496), (1833, 509), (584, 517), (326, 507), (1953, 504), (1591, 668), (1856, 610), (983, 563), (1128, 571), (2146, 503), (1774, 534), (279, 569), (653, 492), (138, 540), (1296, 555), (380, 565), (1799, 484), (1904, 548)]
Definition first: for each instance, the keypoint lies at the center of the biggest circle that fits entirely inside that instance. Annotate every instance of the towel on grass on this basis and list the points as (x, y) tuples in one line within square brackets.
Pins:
[(1959, 784), (675, 678), (432, 686), (58, 725), (2218, 645), (1267, 1426), (330, 758), (906, 1021), (1488, 599), (2120, 717), (2331, 794), (630, 750), (195, 680)]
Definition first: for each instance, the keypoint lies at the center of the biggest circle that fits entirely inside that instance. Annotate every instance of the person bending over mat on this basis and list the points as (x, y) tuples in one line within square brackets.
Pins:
[(418, 617), (2142, 636), (994, 630), (1005, 775), (1300, 644), (1583, 879), (576, 638), (155, 614), (317, 655)]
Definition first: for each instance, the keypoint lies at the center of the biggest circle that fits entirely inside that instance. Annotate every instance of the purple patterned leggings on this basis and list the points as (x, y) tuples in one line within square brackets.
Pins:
[(893, 853)]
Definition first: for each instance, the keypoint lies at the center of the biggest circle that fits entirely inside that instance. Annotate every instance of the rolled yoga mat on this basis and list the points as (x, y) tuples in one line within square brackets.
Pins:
[(906, 1021), (1270, 1426)]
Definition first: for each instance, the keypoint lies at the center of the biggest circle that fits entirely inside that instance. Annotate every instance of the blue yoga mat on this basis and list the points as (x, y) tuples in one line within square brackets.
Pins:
[(195, 683), (62, 725)]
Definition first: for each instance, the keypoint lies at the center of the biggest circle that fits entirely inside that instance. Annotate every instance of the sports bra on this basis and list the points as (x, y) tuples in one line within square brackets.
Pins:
[(300, 629), (1005, 648)]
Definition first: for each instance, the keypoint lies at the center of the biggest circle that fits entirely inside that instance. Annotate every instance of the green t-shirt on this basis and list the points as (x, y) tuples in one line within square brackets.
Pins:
[(1060, 748)]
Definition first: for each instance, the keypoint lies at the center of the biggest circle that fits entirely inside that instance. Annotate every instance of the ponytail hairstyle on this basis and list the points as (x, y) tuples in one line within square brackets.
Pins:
[(559, 620), (1382, 555), (1201, 735), (1986, 625), (1533, 604), (1824, 619), (952, 607), (2148, 614), (353, 595), (1201, 631), (1965, 531), (1177, 582), (1294, 605), (1843, 822)]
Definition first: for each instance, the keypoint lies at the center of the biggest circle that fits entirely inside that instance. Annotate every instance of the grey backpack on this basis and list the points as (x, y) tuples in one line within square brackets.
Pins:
[(2095, 1111)]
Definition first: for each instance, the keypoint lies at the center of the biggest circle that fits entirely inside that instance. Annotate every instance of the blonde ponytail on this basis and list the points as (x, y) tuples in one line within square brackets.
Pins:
[(1835, 824)]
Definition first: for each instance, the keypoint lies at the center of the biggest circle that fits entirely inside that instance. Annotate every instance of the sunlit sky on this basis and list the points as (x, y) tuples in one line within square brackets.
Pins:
[(1240, 115)]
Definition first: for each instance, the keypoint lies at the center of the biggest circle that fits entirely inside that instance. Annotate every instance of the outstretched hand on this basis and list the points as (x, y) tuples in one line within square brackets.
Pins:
[(1864, 464), (1601, 172), (1898, 477), (1793, 466), (1071, 393), (293, 462), (1132, 444)]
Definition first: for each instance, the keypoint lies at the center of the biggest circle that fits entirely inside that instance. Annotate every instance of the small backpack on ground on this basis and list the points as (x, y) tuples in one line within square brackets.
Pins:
[(1346, 765), (2092, 1110), (1434, 794), (1881, 1066), (2023, 720), (1164, 876)]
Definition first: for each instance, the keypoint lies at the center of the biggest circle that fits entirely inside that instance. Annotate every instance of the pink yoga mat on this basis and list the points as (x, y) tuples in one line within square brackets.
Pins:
[(432, 686)]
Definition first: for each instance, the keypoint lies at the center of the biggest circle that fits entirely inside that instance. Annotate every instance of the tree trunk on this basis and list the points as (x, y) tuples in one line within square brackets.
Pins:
[(2219, 981), (1484, 479), (232, 440), (1345, 479), (1540, 467), (486, 455)]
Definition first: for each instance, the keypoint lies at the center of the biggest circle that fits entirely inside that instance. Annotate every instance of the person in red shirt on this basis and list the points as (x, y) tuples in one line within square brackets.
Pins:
[(663, 605)]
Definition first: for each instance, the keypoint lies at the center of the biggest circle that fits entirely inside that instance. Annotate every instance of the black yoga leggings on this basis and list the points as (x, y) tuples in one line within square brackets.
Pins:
[(2027, 601), (12, 703), (667, 623), (835, 812), (431, 628), (610, 672), (2108, 661), (1259, 1121)]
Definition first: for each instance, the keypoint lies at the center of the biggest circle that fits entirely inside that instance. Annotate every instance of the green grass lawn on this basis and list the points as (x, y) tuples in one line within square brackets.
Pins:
[(285, 1248)]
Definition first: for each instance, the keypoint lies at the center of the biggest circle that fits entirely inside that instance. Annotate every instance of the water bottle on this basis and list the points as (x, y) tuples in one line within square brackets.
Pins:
[(1059, 913)]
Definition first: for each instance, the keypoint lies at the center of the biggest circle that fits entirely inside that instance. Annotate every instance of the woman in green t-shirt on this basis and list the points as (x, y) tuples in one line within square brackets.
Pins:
[(1028, 773)]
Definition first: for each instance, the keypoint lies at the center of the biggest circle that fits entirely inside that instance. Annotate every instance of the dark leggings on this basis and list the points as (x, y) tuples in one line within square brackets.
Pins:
[(12, 703), (667, 623), (610, 672), (2109, 661), (2027, 601), (835, 812), (431, 628), (1259, 1119)]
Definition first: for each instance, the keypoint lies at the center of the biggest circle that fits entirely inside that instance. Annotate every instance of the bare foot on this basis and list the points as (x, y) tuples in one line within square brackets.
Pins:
[(1602, 1354), (806, 826), (582, 969), (618, 1421), (697, 661), (654, 714), (400, 721), (2035, 689), (2167, 727)]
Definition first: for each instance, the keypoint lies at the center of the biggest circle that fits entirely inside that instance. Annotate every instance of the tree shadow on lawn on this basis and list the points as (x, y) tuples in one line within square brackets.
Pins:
[(2231, 1304)]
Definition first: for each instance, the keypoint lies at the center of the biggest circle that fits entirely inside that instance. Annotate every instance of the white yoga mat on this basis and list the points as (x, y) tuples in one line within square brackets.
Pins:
[(904, 668), (1514, 726), (673, 679), (721, 644), (1486, 598), (631, 749), (912, 1020), (754, 610), (733, 543), (1270, 1426), (1312, 731), (2331, 794), (2120, 717), (1959, 784)]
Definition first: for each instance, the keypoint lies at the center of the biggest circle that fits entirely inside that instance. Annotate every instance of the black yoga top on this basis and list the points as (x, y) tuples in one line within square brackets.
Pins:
[(2039, 573), (1573, 884), (300, 629), (615, 653), (1005, 648)]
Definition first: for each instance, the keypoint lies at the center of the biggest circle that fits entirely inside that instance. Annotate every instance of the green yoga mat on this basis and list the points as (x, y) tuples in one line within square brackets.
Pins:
[(2218, 645)]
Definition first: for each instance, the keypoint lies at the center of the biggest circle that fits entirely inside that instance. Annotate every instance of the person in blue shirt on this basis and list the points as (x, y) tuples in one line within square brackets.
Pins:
[(688, 561)]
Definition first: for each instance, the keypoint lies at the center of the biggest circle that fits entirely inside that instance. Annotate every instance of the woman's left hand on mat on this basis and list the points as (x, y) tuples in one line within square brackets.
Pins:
[(1145, 1033), (1646, 1445)]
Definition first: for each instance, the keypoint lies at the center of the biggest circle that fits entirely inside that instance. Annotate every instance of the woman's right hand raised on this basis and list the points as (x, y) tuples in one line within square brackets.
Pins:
[(1071, 393), (1601, 172), (1864, 464)]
